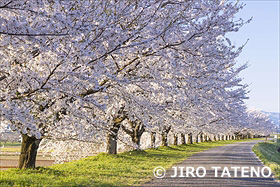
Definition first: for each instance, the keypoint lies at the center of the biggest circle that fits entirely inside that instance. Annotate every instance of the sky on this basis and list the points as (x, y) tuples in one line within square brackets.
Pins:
[(261, 52)]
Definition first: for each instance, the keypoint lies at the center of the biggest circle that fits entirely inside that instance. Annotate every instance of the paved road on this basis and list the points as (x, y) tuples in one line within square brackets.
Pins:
[(233, 155)]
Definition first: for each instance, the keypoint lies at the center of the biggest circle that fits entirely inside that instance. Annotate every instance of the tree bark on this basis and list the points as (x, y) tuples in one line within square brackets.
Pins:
[(201, 137), (164, 134), (206, 138), (175, 142), (250, 135), (135, 132), (29, 147), (164, 139), (190, 138), (111, 139), (215, 138), (153, 140), (183, 138)]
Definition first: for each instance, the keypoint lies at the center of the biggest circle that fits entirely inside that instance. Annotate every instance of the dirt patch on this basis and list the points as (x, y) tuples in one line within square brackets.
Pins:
[(13, 163)]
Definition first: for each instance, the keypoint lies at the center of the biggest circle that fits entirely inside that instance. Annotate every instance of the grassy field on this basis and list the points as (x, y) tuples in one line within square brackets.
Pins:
[(10, 144), (126, 169), (11, 149), (267, 153)]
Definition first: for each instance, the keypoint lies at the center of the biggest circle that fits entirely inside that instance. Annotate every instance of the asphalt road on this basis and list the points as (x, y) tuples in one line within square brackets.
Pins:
[(233, 155)]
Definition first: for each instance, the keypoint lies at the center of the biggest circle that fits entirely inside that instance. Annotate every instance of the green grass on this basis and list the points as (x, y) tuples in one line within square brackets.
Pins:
[(267, 153), (10, 144), (126, 169)]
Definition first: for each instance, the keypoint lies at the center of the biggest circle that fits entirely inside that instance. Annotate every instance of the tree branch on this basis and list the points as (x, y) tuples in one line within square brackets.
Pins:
[(27, 34)]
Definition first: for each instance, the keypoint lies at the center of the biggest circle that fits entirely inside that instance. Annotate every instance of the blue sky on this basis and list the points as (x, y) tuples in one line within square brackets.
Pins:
[(262, 53)]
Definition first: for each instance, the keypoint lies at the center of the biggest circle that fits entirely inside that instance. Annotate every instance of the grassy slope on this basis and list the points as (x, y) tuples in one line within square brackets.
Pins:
[(267, 153), (125, 169)]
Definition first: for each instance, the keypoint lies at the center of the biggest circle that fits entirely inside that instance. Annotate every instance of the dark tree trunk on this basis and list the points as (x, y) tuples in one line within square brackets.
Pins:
[(190, 138), (112, 135), (153, 140), (29, 147), (111, 139), (136, 141), (135, 132), (175, 142), (111, 142), (215, 138), (164, 139), (201, 137), (138, 132), (164, 135), (183, 138), (196, 140)]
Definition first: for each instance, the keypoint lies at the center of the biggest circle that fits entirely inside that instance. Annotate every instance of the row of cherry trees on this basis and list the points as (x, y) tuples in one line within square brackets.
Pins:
[(97, 71)]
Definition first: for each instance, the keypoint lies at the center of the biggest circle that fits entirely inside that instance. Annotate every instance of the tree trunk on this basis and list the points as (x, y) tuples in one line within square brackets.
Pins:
[(215, 138), (136, 141), (190, 139), (164, 134), (196, 140), (250, 135), (175, 142), (206, 138), (183, 138), (111, 143), (201, 137), (29, 147), (153, 140), (111, 139), (135, 132), (164, 139)]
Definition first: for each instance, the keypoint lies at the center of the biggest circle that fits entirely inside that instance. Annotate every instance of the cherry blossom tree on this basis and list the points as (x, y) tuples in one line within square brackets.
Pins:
[(82, 70)]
